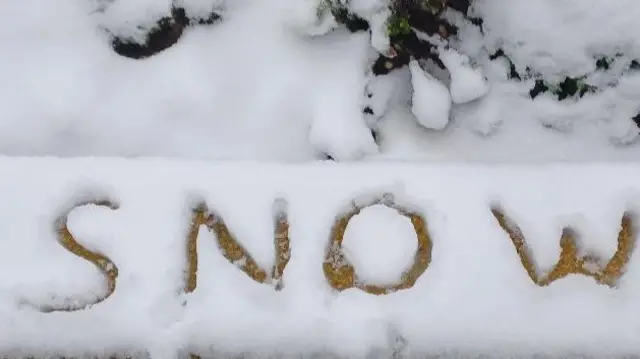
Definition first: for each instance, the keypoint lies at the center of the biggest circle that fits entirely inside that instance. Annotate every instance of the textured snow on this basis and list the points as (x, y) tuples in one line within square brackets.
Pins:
[(561, 37), (133, 19), (381, 244), (467, 84), (273, 82), (197, 8), (338, 127), (256, 87), (474, 298), (431, 100)]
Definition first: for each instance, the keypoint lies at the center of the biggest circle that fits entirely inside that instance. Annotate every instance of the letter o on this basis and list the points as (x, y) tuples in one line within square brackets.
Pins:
[(342, 275)]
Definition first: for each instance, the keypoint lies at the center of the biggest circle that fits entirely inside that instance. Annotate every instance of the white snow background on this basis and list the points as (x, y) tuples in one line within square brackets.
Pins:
[(256, 86), (475, 298)]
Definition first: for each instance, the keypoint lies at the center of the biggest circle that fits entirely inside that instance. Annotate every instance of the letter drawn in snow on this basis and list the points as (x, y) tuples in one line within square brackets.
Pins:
[(571, 260), (233, 251), (102, 262), (342, 275)]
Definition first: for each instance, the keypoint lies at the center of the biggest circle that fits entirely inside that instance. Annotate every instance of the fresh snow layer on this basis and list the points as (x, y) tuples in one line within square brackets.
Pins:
[(467, 84), (381, 245), (431, 100), (561, 37), (258, 87), (474, 298), (123, 18)]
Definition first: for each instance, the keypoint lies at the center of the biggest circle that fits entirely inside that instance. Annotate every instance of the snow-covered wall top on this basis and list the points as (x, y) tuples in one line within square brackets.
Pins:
[(352, 260), (266, 80)]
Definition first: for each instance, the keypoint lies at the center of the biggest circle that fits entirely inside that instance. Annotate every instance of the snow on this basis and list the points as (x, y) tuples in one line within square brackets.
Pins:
[(572, 33), (381, 92), (379, 38), (467, 84), (123, 18), (218, 118), (206, 96), (286, 87), (389, 241), (308, 17), (431, 100), (196, 8), (338, 127), (376, 13), (474, 298)]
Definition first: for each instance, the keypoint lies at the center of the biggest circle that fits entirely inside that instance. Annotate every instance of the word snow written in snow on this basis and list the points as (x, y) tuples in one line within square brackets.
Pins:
[(338, 271)]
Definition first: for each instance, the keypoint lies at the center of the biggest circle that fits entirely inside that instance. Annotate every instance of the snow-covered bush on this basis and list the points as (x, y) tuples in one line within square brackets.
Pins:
[(412, 33), (576, 62), (436, 58), (562, 69), (487, 80), (165, 23)]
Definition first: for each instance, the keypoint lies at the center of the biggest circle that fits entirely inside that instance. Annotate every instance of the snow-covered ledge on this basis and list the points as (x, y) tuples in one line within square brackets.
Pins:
[(220, 259)]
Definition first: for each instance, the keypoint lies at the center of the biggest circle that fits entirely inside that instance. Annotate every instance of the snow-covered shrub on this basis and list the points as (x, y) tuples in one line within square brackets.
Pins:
[(573, 87), (414, 33), (142, 29), (574, 63)]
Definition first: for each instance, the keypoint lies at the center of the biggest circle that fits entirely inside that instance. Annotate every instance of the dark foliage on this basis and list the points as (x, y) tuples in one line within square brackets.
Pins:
[(165, 34)]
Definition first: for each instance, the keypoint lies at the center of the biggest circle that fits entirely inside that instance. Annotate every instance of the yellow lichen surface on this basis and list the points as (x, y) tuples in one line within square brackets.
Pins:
[(342, 275), (570, 261), (233, 251), (102, 262)]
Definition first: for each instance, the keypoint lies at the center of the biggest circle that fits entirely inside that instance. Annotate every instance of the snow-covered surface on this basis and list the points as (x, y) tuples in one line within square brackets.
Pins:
[(258, 87), (271, 82), (430, 99), (381, 244), (123, 18), (467, 83), (474, 298), (561, 37)]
